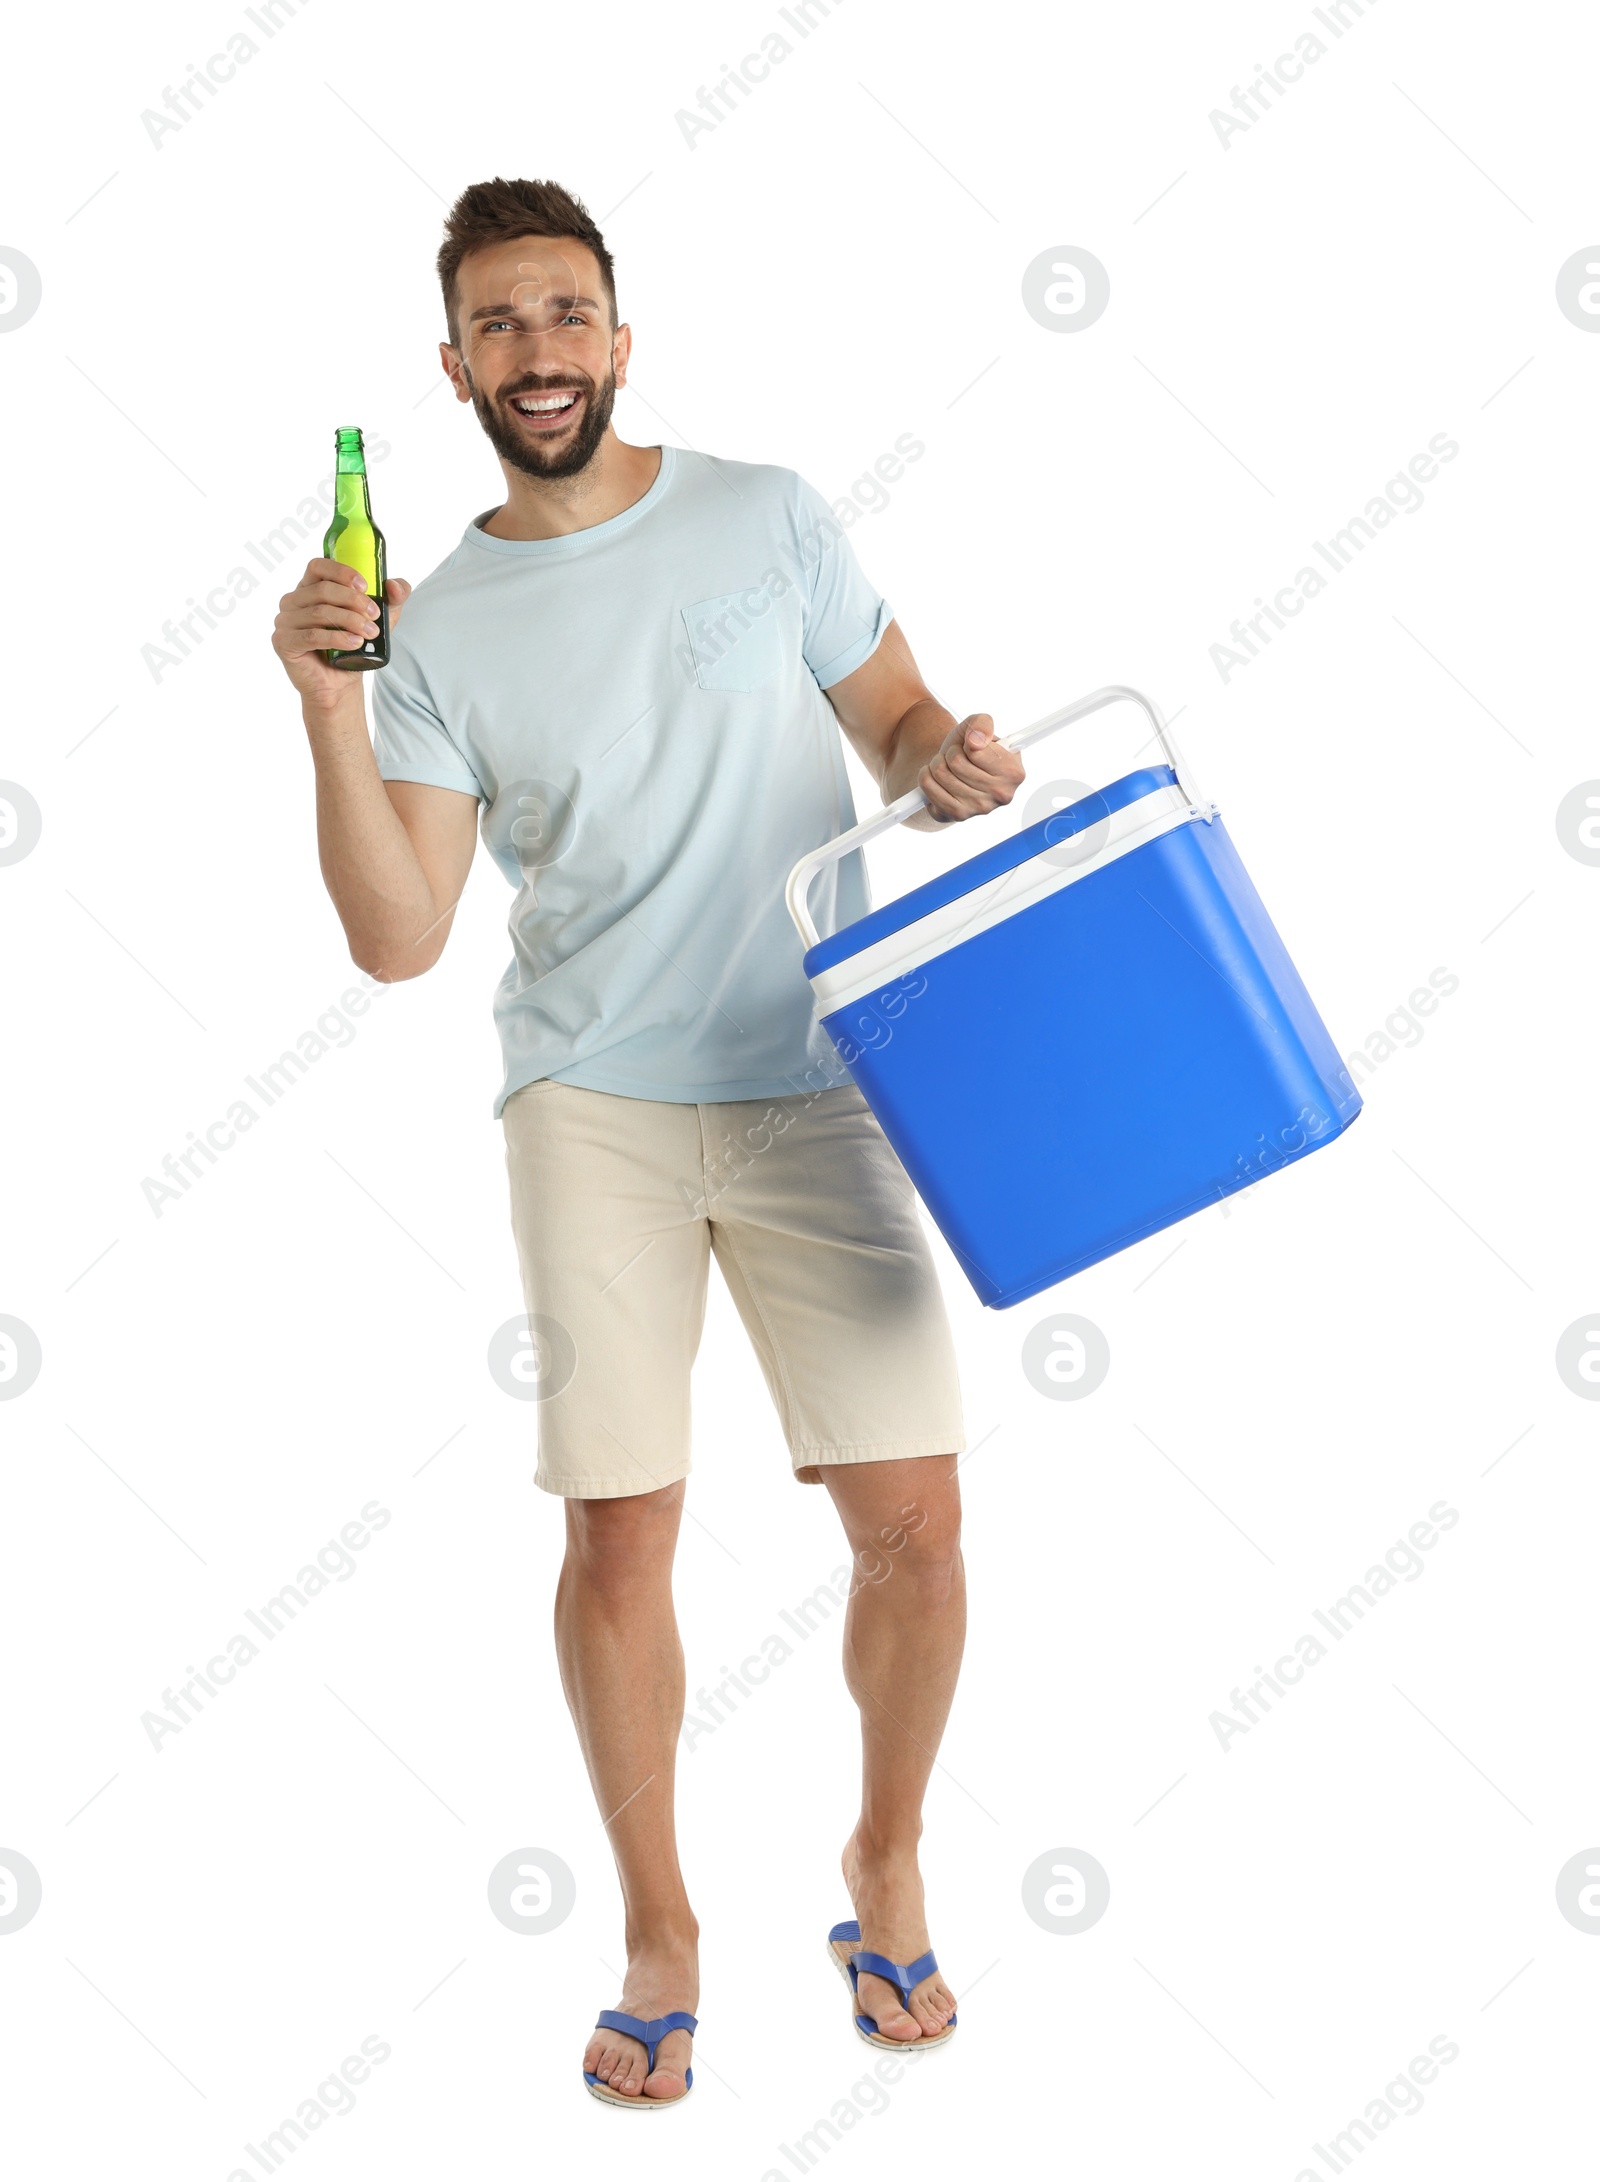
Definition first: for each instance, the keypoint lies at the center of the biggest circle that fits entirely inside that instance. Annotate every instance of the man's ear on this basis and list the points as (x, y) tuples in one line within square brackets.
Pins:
[(621, 350), (455, 367)]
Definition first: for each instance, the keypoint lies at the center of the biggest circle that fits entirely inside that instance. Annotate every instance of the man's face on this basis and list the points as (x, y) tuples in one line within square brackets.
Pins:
[(537, 355)]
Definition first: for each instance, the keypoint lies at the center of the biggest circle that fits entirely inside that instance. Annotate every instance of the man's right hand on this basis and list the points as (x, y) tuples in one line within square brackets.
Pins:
[(328, 610)]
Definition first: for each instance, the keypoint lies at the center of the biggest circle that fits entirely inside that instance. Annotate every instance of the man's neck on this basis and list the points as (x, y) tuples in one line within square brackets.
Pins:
[(539, 507)]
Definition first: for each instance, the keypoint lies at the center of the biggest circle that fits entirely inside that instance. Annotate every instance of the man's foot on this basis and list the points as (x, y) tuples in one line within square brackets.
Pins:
[(886, 1894), (660, 1981)]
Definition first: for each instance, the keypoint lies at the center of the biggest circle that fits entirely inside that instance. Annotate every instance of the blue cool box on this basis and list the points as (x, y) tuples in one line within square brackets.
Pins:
[(1081, 1035)]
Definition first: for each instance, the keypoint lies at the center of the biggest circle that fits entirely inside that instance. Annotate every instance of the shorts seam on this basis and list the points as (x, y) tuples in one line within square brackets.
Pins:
[(937, 1444), (780, 1361), (601, 1488)]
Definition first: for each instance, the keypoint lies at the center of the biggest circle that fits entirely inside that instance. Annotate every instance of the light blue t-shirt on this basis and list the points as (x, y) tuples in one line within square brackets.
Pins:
[(639, 707)]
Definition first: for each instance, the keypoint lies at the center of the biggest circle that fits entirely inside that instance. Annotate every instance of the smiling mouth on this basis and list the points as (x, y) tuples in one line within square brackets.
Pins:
[(546, 411)]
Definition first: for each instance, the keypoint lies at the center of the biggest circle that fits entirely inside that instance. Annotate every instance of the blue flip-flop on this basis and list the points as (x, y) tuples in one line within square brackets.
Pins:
[(649, 2033), (901, 1975)]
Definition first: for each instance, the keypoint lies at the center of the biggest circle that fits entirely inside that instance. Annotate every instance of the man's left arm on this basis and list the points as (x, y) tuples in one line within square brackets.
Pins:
[(907, 739)]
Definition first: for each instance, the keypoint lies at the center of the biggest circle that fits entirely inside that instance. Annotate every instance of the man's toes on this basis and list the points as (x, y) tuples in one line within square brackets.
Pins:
[(933, 2004), (619, 2069), (882, 2003)]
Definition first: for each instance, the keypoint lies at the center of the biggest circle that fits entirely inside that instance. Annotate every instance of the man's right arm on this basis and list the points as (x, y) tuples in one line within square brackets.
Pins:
[(395, 854)]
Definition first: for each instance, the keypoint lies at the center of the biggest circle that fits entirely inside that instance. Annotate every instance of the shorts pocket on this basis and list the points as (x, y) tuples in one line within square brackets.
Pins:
[(736, 639)]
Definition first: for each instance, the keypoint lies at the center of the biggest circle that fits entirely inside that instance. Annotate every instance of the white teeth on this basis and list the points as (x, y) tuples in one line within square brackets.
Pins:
[(545, 408)]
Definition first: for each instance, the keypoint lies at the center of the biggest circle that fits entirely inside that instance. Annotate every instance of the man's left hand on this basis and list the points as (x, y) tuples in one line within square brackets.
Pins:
[(972, 773)]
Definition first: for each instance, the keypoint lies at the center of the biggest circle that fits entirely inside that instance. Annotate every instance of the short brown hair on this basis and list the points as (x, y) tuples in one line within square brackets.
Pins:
[(499, 211)]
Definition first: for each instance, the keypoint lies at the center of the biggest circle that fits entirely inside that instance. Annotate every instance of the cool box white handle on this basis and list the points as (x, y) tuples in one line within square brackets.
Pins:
[(894, 813)]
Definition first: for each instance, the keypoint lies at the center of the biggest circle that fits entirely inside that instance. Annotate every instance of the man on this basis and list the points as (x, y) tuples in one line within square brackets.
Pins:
[(625, 663)]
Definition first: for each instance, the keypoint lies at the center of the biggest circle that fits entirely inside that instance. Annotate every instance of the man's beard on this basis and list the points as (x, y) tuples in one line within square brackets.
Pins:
[(528, 455)]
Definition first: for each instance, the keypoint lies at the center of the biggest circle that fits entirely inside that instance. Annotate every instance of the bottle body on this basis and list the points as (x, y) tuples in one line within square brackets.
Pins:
[(355, 541)]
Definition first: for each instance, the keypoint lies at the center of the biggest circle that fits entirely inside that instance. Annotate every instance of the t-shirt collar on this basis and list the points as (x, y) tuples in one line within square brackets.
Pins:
[(575, 541)]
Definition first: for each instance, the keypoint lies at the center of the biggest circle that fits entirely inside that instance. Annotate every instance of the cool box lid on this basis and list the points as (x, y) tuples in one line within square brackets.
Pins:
[(992, 863)]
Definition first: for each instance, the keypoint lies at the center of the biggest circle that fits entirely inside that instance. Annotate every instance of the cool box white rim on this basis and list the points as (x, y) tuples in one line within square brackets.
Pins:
[(1161, 811)]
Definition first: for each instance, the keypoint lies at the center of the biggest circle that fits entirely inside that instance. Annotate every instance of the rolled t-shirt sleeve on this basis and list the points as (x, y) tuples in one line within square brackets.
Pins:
[(410, 740), (845, 615)]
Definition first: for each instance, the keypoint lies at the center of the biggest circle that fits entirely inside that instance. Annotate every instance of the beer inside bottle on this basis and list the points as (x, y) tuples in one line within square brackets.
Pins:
[(355, 539)]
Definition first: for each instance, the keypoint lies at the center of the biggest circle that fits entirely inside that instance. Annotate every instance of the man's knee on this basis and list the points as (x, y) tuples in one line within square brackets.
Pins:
[(615, 1542), (921, 1546)]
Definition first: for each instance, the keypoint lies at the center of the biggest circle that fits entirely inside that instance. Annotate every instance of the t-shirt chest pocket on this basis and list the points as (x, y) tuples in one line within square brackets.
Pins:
[(736, 639)]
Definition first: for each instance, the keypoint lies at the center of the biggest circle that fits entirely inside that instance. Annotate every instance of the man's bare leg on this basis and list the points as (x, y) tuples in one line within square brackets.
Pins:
[(903, 1636), (622, 1670)]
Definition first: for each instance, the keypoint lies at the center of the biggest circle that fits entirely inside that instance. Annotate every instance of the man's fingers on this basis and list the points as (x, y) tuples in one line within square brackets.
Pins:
[(331, 582), (972, 772), (295, 620), (294, 644), (330, 609), (960, 790), (976, 746), (321, 614), (991, 772), (337, 598), (323, 591), (941, 794), (992, 759), (949, 797), (976, 754)]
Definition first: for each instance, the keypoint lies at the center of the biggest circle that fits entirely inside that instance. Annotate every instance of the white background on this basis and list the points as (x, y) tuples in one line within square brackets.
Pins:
[(1292, 317)]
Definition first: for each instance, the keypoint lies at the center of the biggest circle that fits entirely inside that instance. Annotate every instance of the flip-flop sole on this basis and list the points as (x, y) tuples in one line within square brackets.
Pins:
[(876, 2038)]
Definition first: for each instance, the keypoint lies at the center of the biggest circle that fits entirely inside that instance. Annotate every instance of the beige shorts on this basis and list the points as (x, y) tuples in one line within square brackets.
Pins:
[(618, 1205)]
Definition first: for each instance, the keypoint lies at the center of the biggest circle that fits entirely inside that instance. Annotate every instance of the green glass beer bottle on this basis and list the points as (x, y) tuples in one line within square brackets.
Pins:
[(355, 539)]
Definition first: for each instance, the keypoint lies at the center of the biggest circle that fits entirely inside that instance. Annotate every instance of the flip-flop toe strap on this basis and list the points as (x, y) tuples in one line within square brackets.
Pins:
[(649, 2031), (901, 1975)]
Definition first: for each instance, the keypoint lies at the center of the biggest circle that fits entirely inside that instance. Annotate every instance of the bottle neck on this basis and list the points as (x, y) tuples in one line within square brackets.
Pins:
[(350, 495)]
